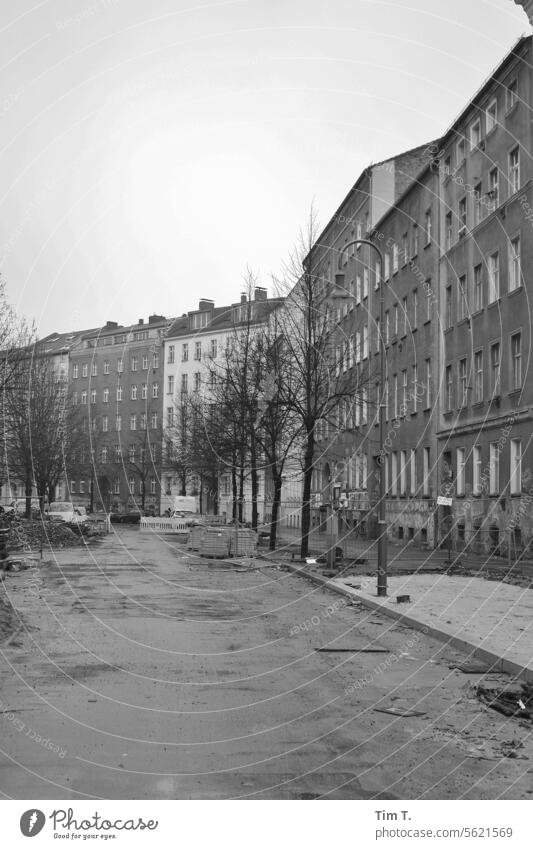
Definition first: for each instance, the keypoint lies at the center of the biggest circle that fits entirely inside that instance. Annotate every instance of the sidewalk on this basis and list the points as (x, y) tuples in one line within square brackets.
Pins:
[(405, 556), (487, 620)]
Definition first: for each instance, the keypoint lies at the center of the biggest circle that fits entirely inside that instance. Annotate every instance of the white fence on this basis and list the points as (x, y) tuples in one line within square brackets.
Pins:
[(163, 525)]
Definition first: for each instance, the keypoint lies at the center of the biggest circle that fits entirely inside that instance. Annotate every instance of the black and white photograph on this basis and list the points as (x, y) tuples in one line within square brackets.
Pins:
[(266, 419)]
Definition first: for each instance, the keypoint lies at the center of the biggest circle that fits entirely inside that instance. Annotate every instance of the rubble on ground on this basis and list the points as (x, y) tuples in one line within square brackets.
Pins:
[(30, 534)]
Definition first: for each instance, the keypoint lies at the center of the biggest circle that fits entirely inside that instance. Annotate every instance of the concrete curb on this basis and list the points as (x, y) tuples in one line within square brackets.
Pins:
[(496, 661)]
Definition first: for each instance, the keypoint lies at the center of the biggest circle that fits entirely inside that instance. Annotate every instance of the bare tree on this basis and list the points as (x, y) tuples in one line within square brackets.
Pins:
[(320, 380)]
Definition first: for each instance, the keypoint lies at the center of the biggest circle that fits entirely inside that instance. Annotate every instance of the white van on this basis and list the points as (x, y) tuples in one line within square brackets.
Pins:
[(65, 511)]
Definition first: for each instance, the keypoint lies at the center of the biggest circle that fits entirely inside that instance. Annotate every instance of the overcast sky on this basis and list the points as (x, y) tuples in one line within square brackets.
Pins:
[(150, 151)]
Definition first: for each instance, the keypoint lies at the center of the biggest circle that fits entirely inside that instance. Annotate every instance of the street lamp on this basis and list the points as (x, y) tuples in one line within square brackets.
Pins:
[(338, 293)]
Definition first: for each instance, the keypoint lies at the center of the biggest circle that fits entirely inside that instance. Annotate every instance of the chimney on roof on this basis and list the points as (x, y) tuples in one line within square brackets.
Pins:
[(206, 304), (153, 319), (141, 321), (260, 293), (111, 324), (244, 298)]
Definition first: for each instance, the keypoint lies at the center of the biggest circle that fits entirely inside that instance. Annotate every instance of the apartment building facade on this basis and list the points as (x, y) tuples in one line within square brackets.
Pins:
[(486, 391), (116, 378), (193, 347), (348, 450)]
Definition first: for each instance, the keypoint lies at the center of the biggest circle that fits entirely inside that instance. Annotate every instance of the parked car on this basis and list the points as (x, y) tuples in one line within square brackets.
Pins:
[(131, 517), (65, 511)]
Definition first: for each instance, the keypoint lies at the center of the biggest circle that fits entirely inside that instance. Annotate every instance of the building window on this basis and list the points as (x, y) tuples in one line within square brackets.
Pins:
[(512, 94), (93, 396), (131, 485), (478, 203), (170, 387), (460, 478), (495, 368), (144, 391), (515, 478), (395, 254), (429, 297), (75, 371), (197, 350), (134, 363), (395, 397), (427, 227), (358, 288), (478, 377), (428, 384), (118, 423), (475, 134), (415, 240), (120, 365), (214, 348), (74, 399), (478, 288), (152, 486), (197, 381), (131, 453), (105, 424), (412, 471), (492, 115), (170, 358), (449, 307), (426, 457), (448, 388), (387, 328), (405, 248), (415, 309), (494, 468), (494, 277), (73, 486), (404, 317), (118, 455), (449, 231), (415, 388), (476, 461), (460, 151), (387, 405), (84, 397), (153, 421), (403, 472), (134, 392), (365, 341), (94, 370), (155, 390), (396, 322), (463, 298), (170, 416), (119, 393), (103, 455), (155, 361), (184, 383), (494, 191), (514, 170), (394, 473), (462, 216), (145, 362), (106, 366), (516, 361), (463, 382), (84, 370), (515, 274), (116, 486), (142, 423), (386, 272)]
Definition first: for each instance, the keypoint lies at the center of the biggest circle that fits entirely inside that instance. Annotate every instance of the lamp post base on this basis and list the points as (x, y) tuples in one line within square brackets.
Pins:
[(382, 559)]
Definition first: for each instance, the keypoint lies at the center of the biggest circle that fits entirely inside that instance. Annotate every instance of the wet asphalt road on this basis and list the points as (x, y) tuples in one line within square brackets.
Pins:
[(142, 671)]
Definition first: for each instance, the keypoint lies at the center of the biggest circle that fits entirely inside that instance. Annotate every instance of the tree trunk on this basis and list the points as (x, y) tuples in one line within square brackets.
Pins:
[(234, 491), (306, 505), (201, 494), (143, 494), (255, 483), (27, 492), (241, 495), (278, 482)]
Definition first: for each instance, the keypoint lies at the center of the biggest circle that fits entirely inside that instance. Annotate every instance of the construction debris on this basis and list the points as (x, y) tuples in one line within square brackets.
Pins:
[(397, 711), (513, 702)]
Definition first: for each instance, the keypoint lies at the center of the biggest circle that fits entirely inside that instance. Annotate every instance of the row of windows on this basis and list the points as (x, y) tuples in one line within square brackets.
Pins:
[(81, 485), (471, 296), (134, 421), (134, 363), (119, 394), (473, 134), (348, 415), (401, 473), (171, 351), (483, 203), (474, 380), (487, 478)]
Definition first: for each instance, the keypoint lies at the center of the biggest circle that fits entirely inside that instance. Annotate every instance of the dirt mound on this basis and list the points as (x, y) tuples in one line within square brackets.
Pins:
[(27, 534)]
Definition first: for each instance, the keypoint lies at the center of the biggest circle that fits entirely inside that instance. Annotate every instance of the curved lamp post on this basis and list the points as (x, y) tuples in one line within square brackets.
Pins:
[(340, 293)]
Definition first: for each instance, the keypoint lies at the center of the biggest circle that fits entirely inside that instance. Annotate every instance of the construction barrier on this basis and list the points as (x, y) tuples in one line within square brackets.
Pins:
[(243, 541), (195, 537), (215, 542), (164, 525)]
